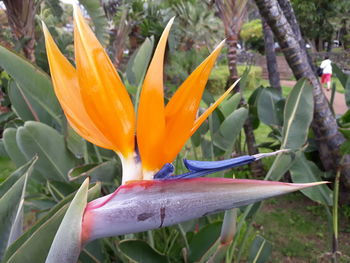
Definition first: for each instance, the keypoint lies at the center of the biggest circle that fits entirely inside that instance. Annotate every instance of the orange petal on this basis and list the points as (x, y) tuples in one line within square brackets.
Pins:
[(104, 96), (180, 113), (66, 87), (150, 116), (198, 122)]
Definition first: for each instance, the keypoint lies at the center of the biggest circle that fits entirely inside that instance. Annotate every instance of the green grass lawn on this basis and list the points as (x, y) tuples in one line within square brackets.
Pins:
[(299, 230)]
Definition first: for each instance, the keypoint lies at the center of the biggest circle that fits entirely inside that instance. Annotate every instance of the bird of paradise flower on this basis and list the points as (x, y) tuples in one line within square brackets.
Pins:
[(99, 108)]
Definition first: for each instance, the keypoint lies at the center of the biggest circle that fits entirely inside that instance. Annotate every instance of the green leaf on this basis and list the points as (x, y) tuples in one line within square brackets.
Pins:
[(231, 104), (20, 103), (3, 152), (197, 137), (138, 62), (99, 19), (59, 190), (67, 244), (216, 119), (13, 178), (206, 147), (280, 110), (260, 251), (75, 143), (229, 129), (267, 109), (34, 82), (104, 172), (280, 166), (11, 205), (227, 234), (345, 82), (79, 171), (343, 78), (253, 107), (15, 123), (34, 245), (347, 93), (344, 120), (304, 171), (244, 83), (26, 107), (6, 117), (345, 147), (93, 252), (55, 160), (198, 248), (140, 251), (12, 148), (298, 114), (345, 132), (208, 97)]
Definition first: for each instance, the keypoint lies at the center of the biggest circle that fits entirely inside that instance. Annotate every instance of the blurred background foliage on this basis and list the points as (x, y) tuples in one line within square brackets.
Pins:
[(45, 159)]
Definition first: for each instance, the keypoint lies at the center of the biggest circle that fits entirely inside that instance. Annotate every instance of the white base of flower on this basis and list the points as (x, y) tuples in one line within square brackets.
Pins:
[(148, 175), (131, 168)]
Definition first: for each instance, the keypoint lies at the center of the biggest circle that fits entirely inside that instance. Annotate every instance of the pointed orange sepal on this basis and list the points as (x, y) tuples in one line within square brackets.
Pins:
[(66, 87), (150, 116), (198, 122), (180, 112), (103, 94)]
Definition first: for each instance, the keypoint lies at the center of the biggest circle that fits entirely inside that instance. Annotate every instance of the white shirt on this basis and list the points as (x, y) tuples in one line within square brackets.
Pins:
[(326, 65)]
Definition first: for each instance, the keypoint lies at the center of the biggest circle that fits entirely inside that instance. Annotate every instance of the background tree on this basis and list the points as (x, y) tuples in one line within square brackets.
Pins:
[(21, 18), (251, 35), (324, 125), (320, 19), (271, 60), (232, 14)]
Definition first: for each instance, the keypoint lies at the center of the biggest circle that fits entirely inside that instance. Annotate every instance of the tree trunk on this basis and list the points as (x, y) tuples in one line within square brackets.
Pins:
[(256, 167), (21, 18), (271, 60), (119, 42), (324, 124), (232, 13), (121, 32), (292, 20), (231, 41)]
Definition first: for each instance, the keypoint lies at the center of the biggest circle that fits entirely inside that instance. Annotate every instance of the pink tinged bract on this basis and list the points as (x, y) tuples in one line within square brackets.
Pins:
[(145, 205)]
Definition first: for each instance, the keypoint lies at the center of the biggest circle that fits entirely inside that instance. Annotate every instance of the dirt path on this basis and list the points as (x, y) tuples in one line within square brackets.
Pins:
[(286, 75), (339, 104)]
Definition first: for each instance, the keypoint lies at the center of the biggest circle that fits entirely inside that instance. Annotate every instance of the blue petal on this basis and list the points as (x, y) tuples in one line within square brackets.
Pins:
[(201, 168), (166, 171), (194, 166)]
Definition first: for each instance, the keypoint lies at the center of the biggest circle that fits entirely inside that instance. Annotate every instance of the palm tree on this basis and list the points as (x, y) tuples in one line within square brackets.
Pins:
[(21, 18), (232, 13), (198, 24), (324, 124)]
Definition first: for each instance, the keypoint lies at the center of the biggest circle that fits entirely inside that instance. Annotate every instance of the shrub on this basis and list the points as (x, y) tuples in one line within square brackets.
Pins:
[(251, 33), (220, 74)]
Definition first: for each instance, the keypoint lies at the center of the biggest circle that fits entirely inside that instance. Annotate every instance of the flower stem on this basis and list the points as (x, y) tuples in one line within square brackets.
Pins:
[(183, 234), (335, 217)]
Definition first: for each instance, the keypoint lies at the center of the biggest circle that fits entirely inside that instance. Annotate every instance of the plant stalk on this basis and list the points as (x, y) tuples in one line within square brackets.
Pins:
[(335, 217)]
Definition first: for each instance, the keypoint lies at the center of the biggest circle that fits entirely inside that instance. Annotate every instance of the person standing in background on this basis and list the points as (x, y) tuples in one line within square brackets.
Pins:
[(326, 66)]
